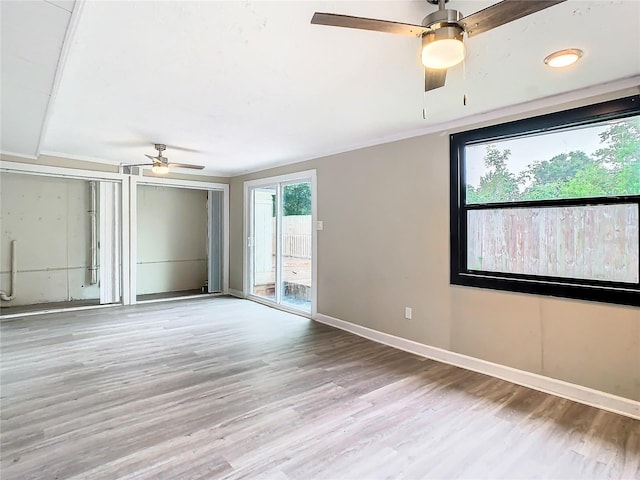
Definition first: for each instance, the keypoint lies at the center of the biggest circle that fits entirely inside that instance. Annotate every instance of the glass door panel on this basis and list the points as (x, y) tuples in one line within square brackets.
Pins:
[(296, 245), (281, 242), (264, 242)]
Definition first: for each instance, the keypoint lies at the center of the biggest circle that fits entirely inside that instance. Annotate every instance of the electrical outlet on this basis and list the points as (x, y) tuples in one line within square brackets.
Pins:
[(408, 311)]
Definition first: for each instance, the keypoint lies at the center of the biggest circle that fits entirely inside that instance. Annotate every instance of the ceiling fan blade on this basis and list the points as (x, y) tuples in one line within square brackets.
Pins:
[(501, 13), (154, 159), (136, 164), (185, 165), (434, 78), (335, 20)]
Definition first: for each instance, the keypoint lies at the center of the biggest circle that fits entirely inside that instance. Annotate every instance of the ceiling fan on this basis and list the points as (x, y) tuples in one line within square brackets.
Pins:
[(442, 31), (161, 163)]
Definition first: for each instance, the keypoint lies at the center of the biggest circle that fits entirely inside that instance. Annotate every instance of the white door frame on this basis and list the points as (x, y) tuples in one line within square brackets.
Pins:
[(133, 218), (129, 184), (246, 250), (88, 175)]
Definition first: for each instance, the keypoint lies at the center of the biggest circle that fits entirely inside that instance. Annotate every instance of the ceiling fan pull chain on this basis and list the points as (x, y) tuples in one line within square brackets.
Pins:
[(464, 75)]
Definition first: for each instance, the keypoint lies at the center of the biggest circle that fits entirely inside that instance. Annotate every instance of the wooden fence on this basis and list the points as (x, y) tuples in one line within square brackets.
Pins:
[(296, 236), (596, 242)]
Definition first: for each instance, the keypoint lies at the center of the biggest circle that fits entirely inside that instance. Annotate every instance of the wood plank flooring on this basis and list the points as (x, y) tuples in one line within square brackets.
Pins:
[(226, 388)]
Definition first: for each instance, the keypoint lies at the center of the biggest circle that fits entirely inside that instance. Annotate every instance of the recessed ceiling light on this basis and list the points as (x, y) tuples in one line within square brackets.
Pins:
[(563, 58)]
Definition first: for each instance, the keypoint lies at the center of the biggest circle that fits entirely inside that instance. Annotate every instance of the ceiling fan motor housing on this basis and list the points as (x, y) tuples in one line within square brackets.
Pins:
[(448, 32), (443, 24), (442, 18)]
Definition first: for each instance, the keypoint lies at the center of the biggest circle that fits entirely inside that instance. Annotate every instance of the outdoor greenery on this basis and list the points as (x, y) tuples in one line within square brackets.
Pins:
[(613, 169), (297, 199)]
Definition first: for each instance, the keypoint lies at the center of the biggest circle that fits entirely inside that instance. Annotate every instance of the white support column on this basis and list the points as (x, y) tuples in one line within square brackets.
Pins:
[(225, 251), (110, 251), (215, 247), (126, 250), (133, 239)]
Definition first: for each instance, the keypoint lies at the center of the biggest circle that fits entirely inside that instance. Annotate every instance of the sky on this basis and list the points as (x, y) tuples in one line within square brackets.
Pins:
[(527, 150)]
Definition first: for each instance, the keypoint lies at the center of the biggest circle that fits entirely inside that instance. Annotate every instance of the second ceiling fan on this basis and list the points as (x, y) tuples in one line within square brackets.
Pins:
[(161, 164), (442, 31)]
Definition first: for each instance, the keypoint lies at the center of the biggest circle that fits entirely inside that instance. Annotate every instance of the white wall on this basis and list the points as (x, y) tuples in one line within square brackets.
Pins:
[(49, 219), (172, 239), (385, 245)]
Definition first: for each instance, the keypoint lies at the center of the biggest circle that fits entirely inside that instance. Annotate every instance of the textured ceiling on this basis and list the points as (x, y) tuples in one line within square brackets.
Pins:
[(247, 85), (31, 38)]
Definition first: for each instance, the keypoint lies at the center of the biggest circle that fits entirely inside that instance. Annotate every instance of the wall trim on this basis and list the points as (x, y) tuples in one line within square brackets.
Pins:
[(180, 183), (10, 316), (495, 115), (560, 388), (62, 172), (236, 293), (17, 155), (197, 296), (277, 306)]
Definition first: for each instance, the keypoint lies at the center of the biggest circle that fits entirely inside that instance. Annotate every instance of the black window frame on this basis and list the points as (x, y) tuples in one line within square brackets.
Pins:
[(593, 290)]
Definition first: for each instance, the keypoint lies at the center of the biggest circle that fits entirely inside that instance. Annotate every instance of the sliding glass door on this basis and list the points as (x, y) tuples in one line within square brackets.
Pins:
[(264, 242), (280, 242), (296, 242)]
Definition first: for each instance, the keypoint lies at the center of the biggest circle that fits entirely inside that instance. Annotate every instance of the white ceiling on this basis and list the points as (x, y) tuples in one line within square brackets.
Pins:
[(245, 85), (32, 36)]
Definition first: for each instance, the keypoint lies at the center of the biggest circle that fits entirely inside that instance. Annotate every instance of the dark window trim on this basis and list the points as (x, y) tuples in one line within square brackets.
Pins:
[(594, 290), (558, 202)]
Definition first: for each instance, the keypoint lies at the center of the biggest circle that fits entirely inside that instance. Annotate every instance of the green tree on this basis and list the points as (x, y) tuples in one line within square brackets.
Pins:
[(621, 153), (560, 168), (614, 169), (591, 181), (296, 199), (547, 178), (498, 184)]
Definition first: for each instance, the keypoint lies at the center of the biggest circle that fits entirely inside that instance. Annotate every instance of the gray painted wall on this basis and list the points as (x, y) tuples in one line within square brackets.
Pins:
[(49, 219), (385, 245), (172, 239)]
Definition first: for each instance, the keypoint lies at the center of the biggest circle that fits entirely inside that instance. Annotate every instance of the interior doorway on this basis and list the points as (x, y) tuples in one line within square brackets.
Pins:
[(60, 241), (180, 241), (70, 237), (281, 241)]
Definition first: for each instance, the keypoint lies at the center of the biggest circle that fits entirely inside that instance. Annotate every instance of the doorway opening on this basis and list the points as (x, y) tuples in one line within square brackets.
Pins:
[(60, 242), (180, 241), (281, 241)]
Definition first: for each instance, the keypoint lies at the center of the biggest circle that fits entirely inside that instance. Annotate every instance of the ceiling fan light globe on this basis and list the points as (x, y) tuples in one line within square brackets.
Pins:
[(442, 47), (443, 53), (160, 169)]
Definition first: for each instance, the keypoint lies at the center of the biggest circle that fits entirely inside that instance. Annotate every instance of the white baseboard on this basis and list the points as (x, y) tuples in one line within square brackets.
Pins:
[(578, 393), (236, 293), (56, 310)]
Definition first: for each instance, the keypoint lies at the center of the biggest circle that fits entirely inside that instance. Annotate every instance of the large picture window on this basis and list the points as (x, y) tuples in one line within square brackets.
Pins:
[(551, 204)]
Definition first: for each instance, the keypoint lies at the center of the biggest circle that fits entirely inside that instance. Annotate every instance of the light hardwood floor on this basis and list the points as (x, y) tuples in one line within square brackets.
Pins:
[(226, 388)]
